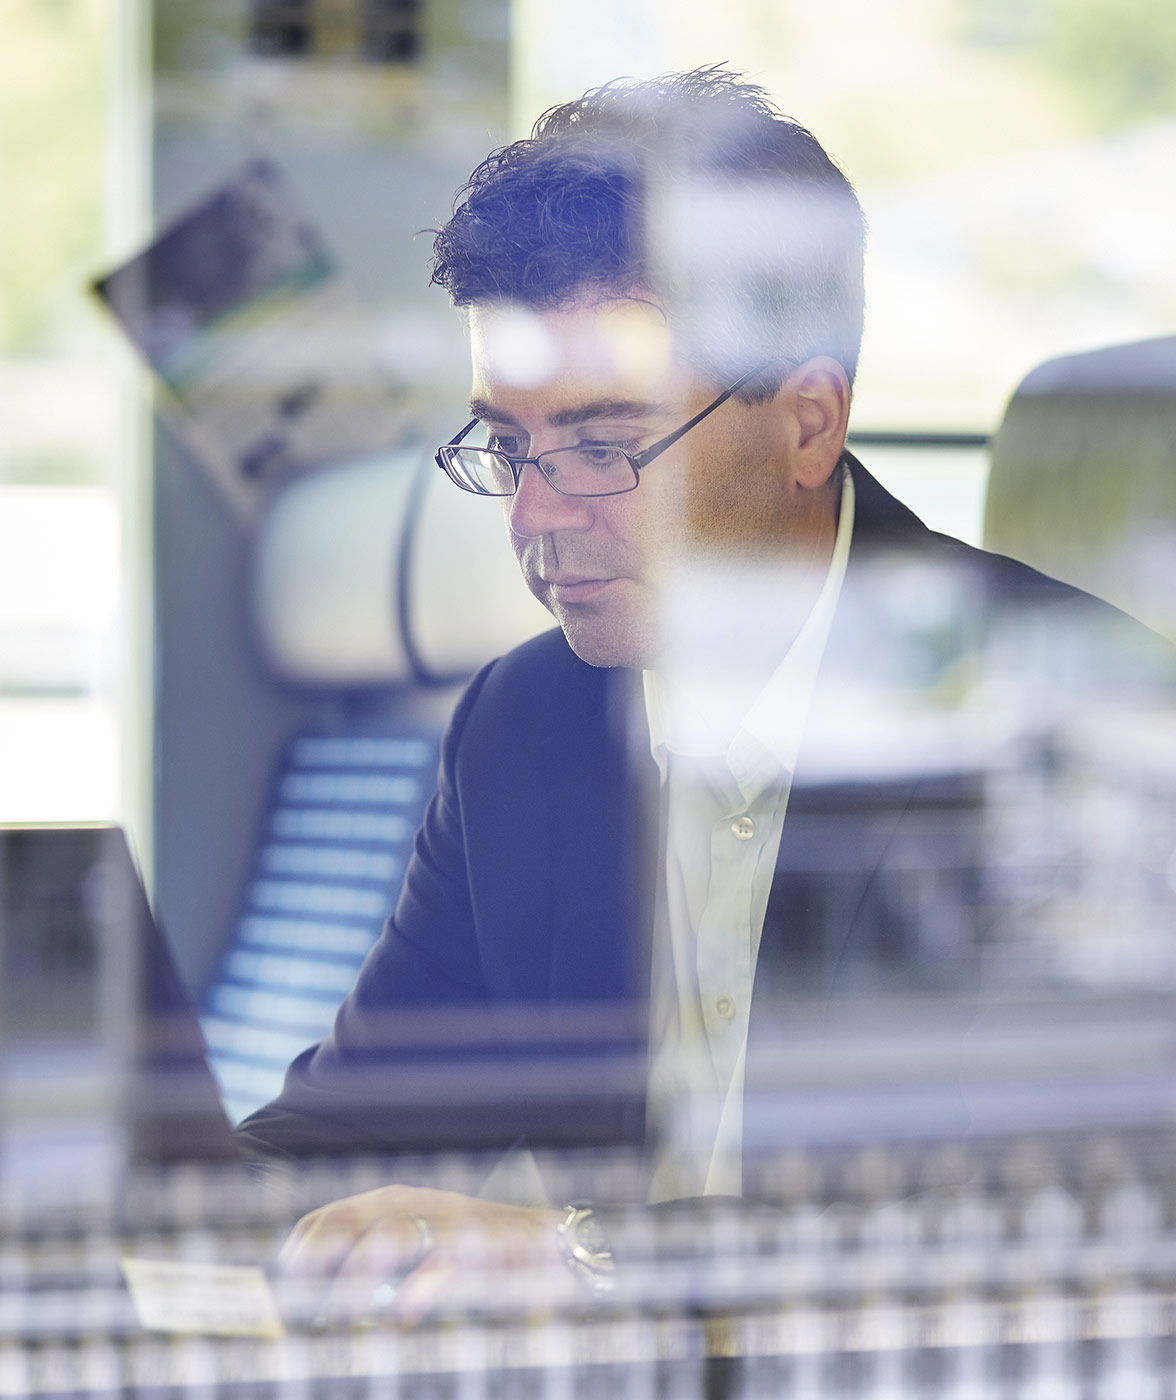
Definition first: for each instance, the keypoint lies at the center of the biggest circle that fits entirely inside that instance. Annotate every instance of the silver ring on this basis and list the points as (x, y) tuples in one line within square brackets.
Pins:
[(428, 1239)]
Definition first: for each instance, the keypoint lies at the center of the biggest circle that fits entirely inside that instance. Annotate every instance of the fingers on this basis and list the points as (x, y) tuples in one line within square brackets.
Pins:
[(322, 1240), (388, 1250), (337, 1256), (397, 1254), (366, 1286), (423, 1290)]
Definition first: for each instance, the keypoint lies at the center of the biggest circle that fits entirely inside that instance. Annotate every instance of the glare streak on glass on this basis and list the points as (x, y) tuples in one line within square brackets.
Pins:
[(369, 789), (345, 807), (276, 971), (309, 935), (350, 752), (240, 1077), (294, 898), (311, 1013), (311, 824), (254, 1042), (331, 862)]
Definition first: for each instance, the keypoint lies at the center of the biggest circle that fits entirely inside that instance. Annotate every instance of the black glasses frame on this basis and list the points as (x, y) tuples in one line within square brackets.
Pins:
[(636, 460)]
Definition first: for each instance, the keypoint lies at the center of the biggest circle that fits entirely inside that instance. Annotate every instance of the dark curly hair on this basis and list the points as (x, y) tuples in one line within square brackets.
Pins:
[(692, 187)]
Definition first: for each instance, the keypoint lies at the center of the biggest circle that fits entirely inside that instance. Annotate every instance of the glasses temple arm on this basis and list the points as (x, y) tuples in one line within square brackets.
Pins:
[(642, 459), (469, 428)]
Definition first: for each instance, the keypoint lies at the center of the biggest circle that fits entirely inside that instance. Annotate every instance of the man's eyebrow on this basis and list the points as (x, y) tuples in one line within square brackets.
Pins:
[(603, 408), (569, 417), (485, 410)]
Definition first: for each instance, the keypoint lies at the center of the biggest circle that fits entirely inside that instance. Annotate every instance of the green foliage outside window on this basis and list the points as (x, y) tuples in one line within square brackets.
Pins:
[(54, 87), (1115, 59)]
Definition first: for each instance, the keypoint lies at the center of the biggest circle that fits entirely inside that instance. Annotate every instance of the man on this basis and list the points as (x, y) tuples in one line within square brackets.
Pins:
[(664, 296)]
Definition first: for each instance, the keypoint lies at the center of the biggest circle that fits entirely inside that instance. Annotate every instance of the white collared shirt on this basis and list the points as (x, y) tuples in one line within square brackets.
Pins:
[(727, 777)]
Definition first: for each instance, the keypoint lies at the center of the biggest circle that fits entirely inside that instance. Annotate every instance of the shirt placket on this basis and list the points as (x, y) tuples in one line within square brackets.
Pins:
[(725, 934)]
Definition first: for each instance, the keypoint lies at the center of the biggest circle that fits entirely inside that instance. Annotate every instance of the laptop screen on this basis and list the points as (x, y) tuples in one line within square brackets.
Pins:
[(102, 1063)]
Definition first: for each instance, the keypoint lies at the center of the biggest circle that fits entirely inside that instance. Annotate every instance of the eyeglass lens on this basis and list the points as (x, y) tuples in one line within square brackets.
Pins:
[(591, 469)]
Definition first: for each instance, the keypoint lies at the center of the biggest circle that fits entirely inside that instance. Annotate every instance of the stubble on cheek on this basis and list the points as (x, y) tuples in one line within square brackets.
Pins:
[(614, 630), (528, 554), (732, 516)]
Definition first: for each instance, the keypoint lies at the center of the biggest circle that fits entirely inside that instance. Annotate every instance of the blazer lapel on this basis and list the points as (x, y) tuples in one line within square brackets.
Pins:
[(847, 798), (601, 843)]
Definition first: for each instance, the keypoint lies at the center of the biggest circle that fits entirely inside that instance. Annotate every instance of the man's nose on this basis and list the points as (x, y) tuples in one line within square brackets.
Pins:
[(537, 508)]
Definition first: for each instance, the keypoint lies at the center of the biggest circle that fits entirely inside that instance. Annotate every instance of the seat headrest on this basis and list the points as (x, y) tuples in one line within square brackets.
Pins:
[(1142, 367), (381, 572), (1083, 477)]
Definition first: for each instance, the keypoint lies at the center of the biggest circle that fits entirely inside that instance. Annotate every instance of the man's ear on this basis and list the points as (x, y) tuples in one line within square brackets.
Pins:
[(820, 396)]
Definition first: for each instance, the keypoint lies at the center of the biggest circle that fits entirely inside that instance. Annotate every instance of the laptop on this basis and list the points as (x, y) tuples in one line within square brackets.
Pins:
[(102, 1062)]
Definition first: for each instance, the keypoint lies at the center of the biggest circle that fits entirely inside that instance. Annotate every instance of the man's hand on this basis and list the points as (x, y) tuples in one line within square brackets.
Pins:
[(397, 1253)]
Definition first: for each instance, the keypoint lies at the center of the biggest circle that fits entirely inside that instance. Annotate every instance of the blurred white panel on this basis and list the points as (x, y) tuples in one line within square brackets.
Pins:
[(59, 591), (58, 556), (58, 759), (325, 574), (944, 486), (468, 600)]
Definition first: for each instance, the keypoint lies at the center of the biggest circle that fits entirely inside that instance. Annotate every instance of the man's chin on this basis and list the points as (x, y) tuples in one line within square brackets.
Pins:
[(601, 642)]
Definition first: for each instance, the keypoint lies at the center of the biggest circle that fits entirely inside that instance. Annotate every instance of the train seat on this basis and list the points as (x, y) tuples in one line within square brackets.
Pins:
[(1083, 476)]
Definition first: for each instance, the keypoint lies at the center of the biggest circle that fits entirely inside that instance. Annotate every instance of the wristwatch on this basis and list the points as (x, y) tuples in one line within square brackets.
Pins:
[(585, 1249)]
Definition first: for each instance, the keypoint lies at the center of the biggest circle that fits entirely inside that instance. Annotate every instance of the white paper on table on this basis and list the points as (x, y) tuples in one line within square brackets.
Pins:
[(222, 1300)]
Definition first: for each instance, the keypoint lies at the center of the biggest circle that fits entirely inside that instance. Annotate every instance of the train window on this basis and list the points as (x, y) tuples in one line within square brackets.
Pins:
[(1008, 158)]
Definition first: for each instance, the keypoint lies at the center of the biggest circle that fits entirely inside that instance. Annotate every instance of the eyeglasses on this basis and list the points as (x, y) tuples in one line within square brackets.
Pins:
[(589, 469)]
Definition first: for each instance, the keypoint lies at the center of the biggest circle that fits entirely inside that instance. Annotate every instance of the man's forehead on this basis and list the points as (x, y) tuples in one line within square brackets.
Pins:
[(619, 348)]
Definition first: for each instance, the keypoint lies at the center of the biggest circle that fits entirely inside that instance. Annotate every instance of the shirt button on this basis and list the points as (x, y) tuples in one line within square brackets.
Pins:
[(725, 1006), (743, 828)]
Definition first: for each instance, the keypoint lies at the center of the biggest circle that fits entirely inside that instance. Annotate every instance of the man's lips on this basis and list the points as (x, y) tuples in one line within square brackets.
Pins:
[(568, 588)]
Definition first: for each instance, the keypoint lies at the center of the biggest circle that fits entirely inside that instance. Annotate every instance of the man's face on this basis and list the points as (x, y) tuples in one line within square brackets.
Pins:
[(606, 371)]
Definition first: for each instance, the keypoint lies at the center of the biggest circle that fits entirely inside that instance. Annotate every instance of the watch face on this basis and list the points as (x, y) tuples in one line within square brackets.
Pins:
[(590, 1238), (584, 1245)]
